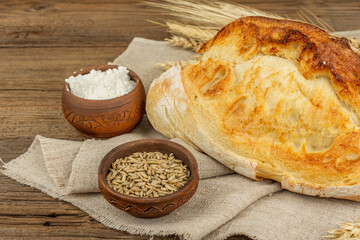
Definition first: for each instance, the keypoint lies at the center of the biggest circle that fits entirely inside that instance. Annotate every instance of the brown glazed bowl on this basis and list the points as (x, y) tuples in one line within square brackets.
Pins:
[(104, 118), (149, 207)]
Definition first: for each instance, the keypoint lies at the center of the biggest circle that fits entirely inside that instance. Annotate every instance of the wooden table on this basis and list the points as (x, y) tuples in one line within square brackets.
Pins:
[(42, 43)]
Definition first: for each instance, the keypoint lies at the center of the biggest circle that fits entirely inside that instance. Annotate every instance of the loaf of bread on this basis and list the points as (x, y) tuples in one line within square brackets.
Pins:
[(274, 99)]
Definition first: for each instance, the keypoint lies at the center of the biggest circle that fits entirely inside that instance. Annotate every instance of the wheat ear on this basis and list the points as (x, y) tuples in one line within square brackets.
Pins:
[(347, 230), (186, 43), (207, 17)]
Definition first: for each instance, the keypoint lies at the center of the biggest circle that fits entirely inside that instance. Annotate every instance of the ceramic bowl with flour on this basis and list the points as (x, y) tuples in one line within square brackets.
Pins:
[(103, 101)]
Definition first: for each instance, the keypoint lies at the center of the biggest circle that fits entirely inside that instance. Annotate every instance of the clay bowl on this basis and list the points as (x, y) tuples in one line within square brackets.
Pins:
[(148, 207), (104, 118)]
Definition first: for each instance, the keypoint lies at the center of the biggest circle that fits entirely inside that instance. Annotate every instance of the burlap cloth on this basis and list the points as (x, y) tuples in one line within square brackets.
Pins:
[(225, 203)]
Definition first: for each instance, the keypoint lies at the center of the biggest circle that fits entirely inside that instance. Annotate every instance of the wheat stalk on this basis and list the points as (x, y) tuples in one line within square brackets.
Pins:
[(206, 19), (212, 14), (191, 31), (347, 230), (187, 36), (200, 20)]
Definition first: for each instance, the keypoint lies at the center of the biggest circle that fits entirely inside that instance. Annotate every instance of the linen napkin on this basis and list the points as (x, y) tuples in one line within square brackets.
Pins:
[(68, 170), (225, 203)]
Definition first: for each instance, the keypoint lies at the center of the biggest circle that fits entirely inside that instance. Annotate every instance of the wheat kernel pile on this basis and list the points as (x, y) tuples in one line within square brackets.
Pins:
[(148, 174)]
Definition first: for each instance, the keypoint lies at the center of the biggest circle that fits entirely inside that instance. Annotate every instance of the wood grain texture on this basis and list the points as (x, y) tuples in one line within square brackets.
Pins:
[(42, 43)]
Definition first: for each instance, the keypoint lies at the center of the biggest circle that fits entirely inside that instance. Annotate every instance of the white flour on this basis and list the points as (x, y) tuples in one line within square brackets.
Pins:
[(98, 85)]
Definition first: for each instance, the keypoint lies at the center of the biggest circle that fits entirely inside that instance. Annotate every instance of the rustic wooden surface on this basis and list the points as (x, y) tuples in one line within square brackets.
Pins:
[(43, 42)]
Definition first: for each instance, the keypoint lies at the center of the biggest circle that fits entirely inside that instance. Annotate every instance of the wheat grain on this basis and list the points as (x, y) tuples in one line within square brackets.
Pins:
[(135, 180), (169, 64), (347, 230), (355, 43), (184, 42)]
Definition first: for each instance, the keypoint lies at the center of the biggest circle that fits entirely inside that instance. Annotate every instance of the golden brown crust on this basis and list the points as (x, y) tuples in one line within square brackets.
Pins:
[(273, 99), (319, 52)]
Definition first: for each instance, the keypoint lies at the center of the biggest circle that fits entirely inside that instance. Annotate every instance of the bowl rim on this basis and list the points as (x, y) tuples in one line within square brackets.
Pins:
[(194, 177), (102, 104)]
